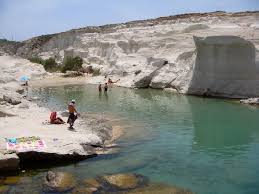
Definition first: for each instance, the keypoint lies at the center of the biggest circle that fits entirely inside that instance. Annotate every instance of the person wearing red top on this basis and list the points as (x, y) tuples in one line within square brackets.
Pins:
[(55, 120)]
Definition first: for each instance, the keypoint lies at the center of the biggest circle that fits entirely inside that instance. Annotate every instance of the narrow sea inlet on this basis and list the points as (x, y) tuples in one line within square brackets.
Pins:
[(206, 145)]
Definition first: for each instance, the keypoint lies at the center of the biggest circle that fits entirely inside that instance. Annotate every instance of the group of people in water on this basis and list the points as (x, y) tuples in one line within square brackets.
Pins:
[(73, 114), (105, 88)]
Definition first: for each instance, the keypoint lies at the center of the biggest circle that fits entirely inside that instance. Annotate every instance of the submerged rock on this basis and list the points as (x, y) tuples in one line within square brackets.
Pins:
[(92, 183), (126, 184), (58, 182), (12, 180), (83, 190), (158, 189), (113, 183), (3, 189), (88, 186), (122, 181)]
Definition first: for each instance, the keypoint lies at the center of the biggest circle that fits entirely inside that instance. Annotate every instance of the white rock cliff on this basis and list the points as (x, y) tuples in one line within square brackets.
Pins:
[(203, 54)]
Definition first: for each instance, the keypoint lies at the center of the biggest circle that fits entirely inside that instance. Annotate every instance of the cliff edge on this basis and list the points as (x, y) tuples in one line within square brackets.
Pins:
[(214, 54)]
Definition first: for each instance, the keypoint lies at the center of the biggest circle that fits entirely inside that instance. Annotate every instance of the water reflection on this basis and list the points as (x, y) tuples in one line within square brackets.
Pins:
[(106, 97), (218, 124), (174, 139)]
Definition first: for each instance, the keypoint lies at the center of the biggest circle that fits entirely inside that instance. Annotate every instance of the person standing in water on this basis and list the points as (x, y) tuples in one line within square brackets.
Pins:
[(100, 87), (72, 114), (105, 87), (110, 82)]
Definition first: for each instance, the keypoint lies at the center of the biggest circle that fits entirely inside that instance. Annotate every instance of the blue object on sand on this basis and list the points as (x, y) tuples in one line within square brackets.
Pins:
[(11, 140), (24, 78)]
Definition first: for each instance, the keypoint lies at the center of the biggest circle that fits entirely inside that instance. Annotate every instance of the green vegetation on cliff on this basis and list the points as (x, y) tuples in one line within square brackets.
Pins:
[(36, 60), (50, 64), (72, 64)]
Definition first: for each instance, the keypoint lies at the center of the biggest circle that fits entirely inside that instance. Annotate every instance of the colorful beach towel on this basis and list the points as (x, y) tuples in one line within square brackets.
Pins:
[(25, 144)]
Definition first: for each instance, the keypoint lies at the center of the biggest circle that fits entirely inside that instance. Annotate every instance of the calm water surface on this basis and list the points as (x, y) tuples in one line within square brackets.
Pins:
[(207, 145)]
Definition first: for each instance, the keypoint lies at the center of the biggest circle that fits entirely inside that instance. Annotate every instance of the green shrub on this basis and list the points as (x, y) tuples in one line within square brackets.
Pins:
[(72, 64), (96, 72), (36, 60), (50, 64)]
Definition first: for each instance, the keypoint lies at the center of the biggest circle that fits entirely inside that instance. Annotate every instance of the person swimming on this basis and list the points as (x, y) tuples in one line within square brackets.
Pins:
[(112, 82)]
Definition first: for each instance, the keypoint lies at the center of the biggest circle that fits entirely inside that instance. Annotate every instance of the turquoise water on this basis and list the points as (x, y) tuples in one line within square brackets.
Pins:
[(206, 145)]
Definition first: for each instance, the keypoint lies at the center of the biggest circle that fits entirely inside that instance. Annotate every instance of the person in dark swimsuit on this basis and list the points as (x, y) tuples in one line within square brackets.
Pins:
[(100, 87), (72, 113), (105, 87)]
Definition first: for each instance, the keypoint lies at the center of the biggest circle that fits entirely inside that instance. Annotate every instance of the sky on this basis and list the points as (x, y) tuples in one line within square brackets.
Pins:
[(23, 19)]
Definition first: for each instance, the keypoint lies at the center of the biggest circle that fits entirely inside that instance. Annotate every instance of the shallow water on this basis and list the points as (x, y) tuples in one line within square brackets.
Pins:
[(205, 145)]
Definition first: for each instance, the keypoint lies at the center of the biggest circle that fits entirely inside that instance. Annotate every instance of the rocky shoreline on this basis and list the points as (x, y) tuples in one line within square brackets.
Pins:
[(213, 54), (92, 136), (64, 182), (20, 117)]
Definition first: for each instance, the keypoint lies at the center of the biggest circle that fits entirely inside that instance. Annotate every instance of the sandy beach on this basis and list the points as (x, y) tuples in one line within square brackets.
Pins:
[(58, 81)]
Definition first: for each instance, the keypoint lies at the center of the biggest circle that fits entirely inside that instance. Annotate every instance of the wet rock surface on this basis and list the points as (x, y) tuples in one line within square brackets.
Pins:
[(9, 162), (3, 189), (126, 184), (123, 181), (58, 182), (63, 182), (7, 182), (13, 180), (158, 189), (112, 183)]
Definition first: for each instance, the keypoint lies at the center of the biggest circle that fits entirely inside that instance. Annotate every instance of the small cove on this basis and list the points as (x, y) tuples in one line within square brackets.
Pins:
[(205, 145)]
